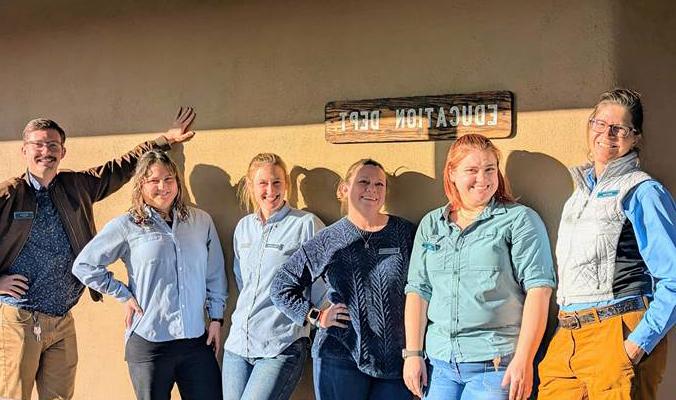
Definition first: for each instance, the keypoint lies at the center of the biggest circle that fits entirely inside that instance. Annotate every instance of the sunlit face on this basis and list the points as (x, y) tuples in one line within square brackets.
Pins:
[(269, 188), (159, 188), (366, 189), (604, 147), (43, 151), (476, 178)]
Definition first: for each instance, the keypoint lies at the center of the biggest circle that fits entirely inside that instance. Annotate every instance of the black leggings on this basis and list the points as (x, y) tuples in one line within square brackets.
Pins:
[(190, 363)]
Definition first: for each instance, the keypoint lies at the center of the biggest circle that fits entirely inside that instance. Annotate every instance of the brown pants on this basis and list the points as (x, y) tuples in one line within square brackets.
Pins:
[(591, 363), (51, 362)]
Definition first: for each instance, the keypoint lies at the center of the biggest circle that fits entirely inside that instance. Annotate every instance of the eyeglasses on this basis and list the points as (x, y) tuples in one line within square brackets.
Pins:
[(39, 145), (601, 126)]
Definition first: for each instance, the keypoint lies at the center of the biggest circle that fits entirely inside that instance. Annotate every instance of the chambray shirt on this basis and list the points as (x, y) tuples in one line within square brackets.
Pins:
[(651, 211), (475, 280), (174, 272), (259, 329)]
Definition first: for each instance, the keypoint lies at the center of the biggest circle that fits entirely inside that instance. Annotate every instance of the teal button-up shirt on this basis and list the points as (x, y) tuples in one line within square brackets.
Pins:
[(475, 279)]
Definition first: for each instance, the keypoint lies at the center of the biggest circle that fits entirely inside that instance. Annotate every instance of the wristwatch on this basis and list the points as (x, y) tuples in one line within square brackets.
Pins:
[(412, 353), (313, 316)]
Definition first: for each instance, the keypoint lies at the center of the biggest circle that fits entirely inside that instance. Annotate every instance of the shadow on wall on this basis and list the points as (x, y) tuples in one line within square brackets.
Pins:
[(542, 183), (215, 193), (318, 188), (412, 194)]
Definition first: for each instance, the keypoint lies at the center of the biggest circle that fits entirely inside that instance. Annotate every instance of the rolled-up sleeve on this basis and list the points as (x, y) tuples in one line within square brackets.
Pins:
[(418, 281), (91, 265), (530, 251)]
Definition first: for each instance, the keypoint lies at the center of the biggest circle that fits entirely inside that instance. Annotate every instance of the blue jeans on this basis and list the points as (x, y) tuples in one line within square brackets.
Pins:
[(336, 379), (466, 380), (272, 378)]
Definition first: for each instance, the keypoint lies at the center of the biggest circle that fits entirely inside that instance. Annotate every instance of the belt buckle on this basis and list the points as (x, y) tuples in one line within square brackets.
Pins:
[(572, 322)]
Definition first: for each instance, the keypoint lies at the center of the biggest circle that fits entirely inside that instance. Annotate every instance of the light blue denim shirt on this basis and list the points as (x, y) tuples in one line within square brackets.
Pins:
[(475, 280), (174, 272), (258, 328)]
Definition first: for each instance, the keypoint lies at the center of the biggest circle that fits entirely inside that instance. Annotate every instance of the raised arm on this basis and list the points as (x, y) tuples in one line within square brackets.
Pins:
[(105, 179)]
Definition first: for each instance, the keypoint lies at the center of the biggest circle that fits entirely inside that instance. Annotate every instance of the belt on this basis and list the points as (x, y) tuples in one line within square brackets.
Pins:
[(587, 316)]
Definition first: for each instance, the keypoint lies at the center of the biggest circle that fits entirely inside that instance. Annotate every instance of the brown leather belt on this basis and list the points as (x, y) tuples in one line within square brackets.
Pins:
[(587, 316)]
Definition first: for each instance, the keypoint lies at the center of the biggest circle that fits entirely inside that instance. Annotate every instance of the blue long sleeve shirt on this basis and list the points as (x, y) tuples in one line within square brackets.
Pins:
[(173, 272), (651, 211), (259, 329)]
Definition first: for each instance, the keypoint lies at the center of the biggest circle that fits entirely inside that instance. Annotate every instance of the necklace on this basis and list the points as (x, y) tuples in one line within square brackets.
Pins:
[(468, 216), (365, 238)]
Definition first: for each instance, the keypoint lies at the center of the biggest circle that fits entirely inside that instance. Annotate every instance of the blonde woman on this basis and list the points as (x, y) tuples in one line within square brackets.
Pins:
[(364, 258), (265, 351), (175, 268)]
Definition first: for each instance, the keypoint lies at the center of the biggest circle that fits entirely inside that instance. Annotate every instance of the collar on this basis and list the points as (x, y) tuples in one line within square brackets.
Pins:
[(33, 182), (276, 216), (584, 175), (492, 208)]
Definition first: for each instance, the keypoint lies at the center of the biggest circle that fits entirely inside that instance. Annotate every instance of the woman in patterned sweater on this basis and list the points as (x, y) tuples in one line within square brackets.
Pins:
[(364, 259)]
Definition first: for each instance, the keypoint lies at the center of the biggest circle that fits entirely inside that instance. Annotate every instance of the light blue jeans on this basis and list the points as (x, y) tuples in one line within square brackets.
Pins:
[(272, 378), (466, 380)]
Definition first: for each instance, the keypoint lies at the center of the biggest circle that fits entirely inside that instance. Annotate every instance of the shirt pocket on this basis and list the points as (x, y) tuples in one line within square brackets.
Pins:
[(483, 282), (485, 250), (435, 249)]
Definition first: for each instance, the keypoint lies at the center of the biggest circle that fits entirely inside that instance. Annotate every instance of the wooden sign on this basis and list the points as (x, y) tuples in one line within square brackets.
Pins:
[(419, 118)]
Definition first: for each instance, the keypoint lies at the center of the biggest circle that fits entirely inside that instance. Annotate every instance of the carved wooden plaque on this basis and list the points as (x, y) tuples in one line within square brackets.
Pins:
[(420, 117)]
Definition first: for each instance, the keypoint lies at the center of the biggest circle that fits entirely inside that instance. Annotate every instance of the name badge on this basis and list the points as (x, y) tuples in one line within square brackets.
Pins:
[(430, 246), (389, 250), (18, 215), (609, 193), (274, 246)]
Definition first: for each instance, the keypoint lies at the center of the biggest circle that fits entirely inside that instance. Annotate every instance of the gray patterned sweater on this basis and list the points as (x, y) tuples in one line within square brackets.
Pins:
[(369, 280)]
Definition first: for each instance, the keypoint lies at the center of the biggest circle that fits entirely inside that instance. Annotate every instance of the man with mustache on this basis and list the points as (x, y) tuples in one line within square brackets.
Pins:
[(46, 218)]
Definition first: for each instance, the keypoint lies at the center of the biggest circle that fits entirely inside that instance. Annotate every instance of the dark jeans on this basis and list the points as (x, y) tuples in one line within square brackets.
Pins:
[(155, 367), (336, 379)]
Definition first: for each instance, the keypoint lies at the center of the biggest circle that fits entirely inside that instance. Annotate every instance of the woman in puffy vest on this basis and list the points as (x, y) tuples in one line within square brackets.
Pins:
[(616, 265)]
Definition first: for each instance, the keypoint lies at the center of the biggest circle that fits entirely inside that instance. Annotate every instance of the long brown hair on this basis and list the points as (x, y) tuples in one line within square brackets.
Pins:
[(138, 206), (459, 150)]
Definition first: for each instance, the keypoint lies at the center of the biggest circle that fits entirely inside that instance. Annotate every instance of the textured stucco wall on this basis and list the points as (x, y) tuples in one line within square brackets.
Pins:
[(260, 72)]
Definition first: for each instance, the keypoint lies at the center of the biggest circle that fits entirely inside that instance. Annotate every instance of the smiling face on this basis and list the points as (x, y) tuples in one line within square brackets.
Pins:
[(159, 188), (43, 150), (476, 178), (365, 190), (604, 147), (269, 188)]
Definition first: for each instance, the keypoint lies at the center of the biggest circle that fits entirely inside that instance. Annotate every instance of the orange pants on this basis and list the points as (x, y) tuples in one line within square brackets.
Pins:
[(591, 363), (51, 362)]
